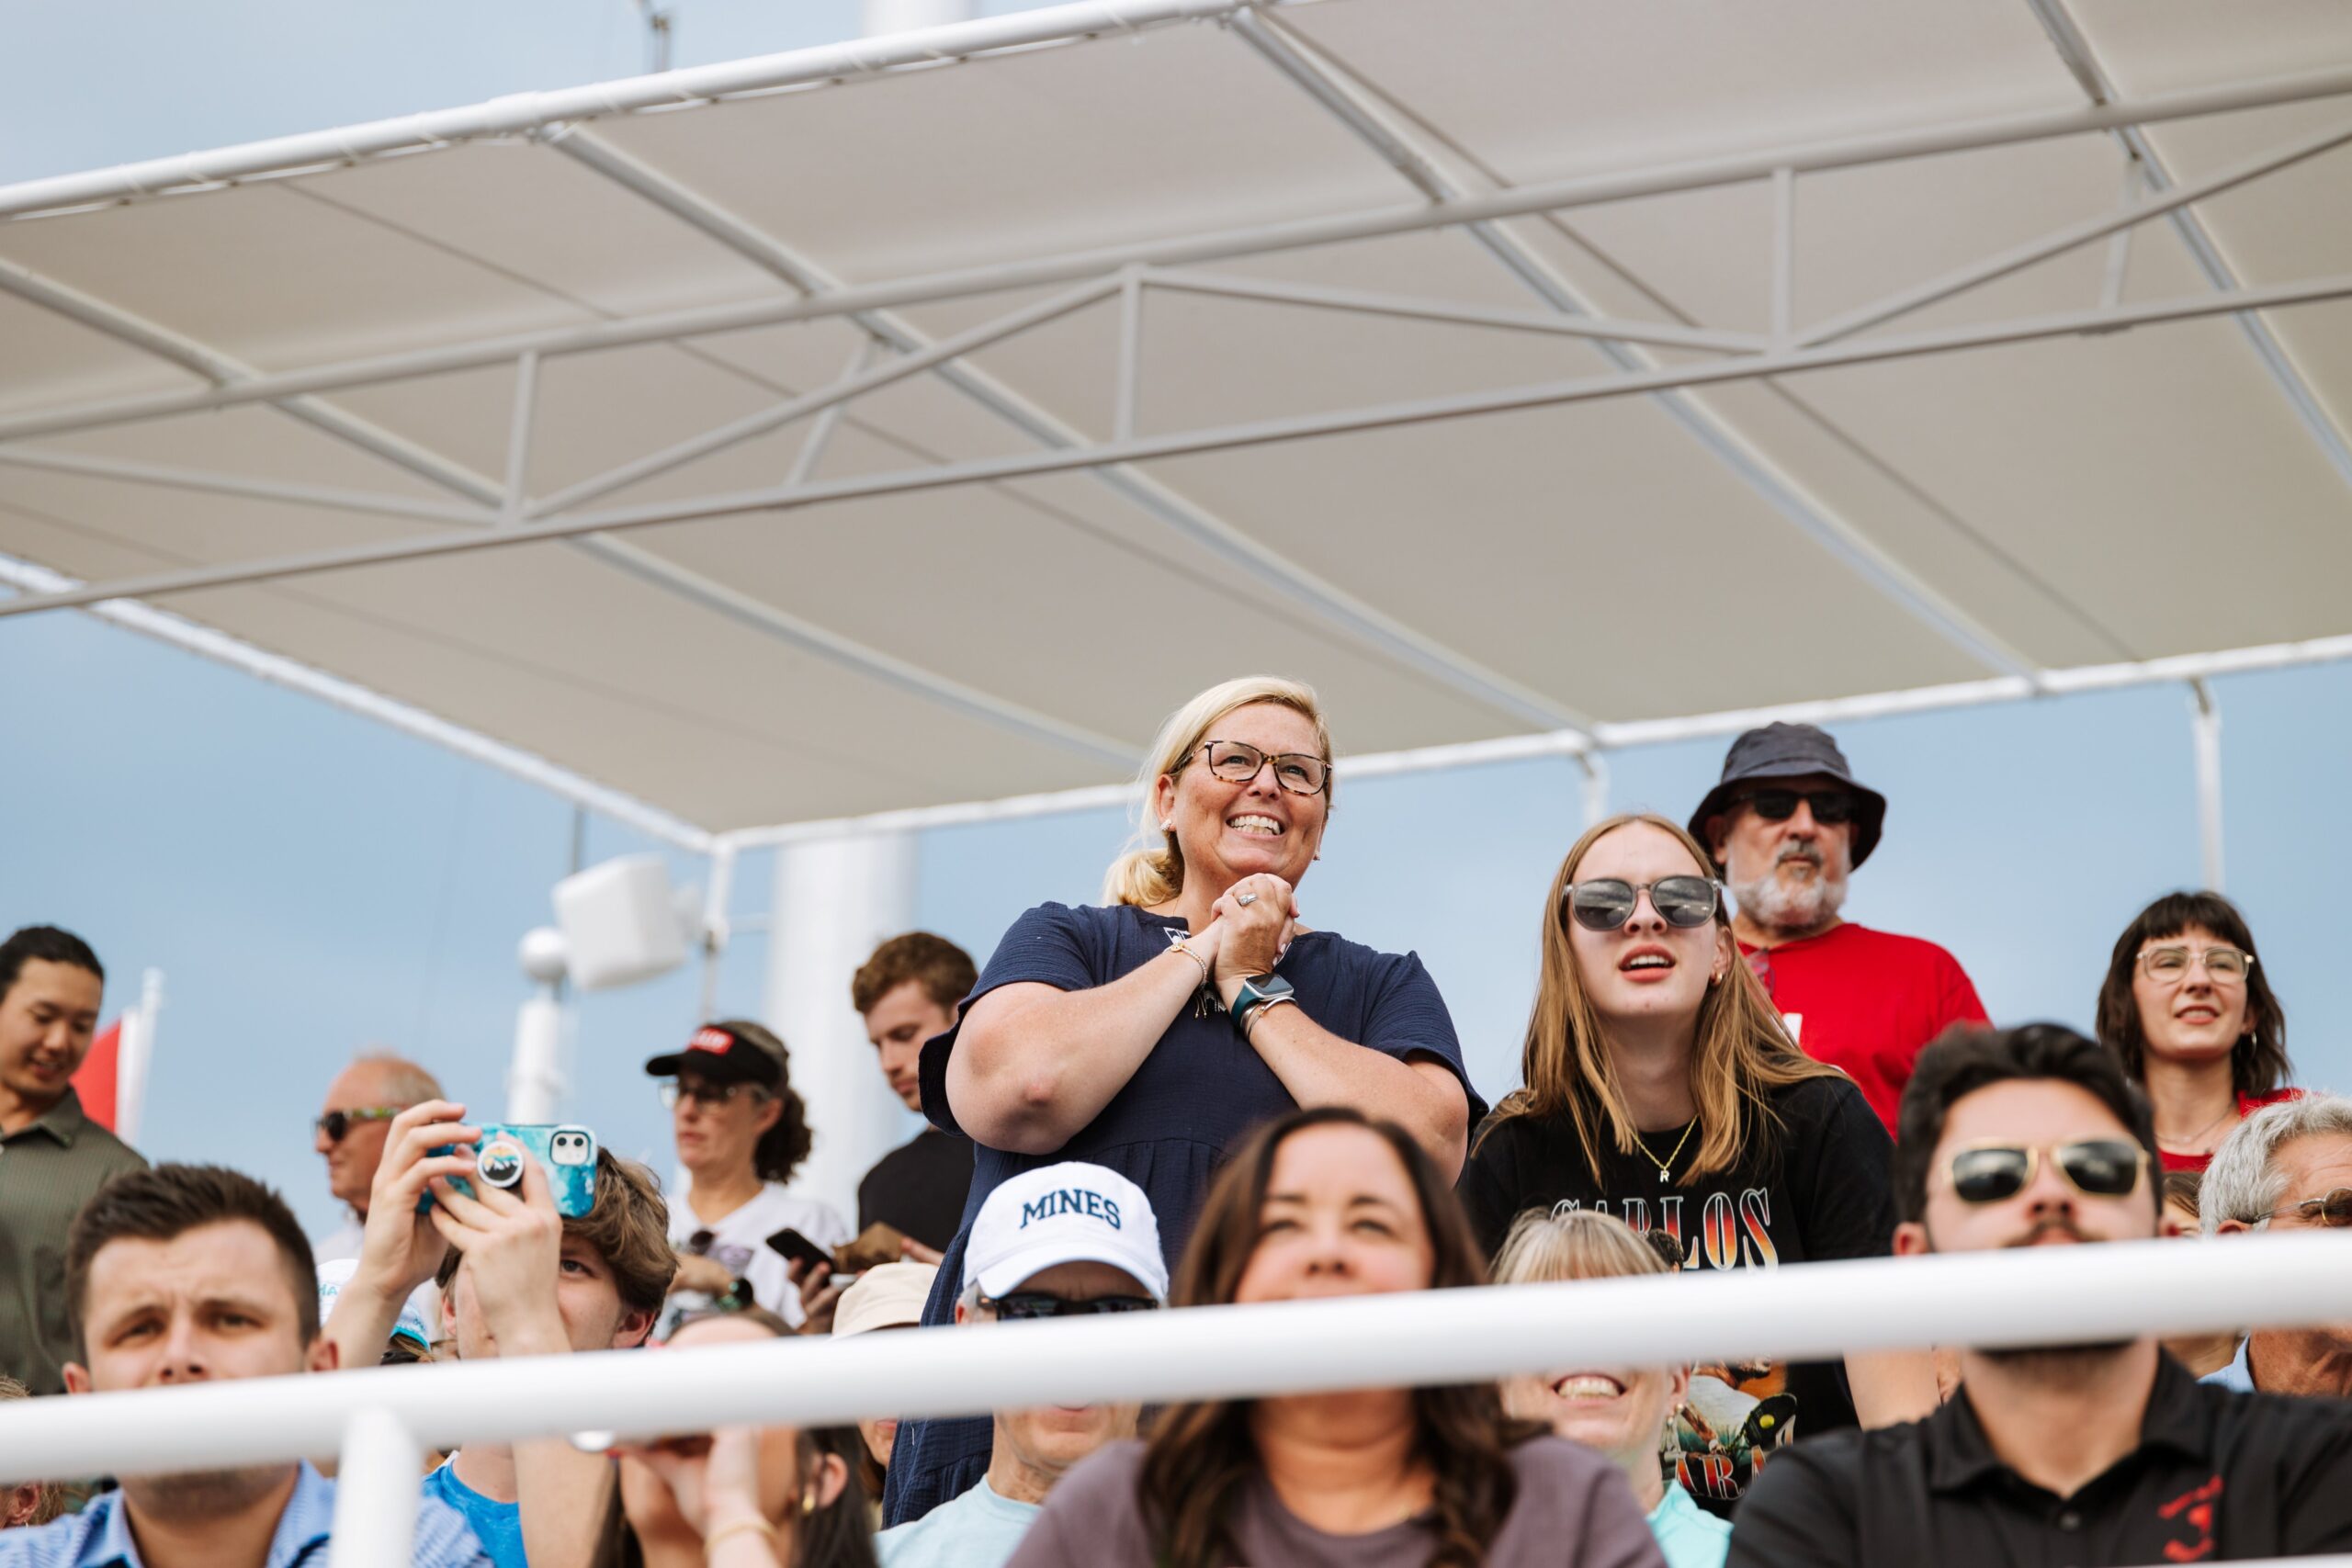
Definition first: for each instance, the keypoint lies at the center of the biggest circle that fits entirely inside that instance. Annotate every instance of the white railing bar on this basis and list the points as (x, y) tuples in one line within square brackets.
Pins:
[(1182, 250), (1190, 443), (2031, 1296), (379, 1483)]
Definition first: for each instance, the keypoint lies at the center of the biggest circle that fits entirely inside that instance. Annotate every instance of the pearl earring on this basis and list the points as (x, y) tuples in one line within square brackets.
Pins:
[(1167, 826)]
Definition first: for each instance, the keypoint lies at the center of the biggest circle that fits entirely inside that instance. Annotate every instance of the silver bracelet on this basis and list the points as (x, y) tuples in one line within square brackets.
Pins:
[(1176, 944), (1249, 1019)]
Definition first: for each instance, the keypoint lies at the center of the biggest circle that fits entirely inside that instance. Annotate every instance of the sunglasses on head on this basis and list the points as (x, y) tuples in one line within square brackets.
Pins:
[(2097, 1167), (336, 1123), (1606, 903), (1830, 806), (1027, 1307)]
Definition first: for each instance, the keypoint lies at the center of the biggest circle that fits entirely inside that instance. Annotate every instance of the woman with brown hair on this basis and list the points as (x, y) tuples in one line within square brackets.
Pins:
[(1151, 1032), (2187, 1009), (1660, 1086), (1329, 1203)]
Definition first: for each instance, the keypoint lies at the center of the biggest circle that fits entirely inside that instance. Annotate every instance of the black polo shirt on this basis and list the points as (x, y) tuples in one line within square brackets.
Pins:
[(2217, 1475)]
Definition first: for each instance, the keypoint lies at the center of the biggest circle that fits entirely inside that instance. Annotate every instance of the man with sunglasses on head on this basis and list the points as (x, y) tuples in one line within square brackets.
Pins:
[(2088, 1455), (1063, 1240), (2287, 1167), (1788, 825)]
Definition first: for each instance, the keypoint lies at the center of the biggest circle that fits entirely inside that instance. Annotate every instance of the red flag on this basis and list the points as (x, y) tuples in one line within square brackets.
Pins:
[(95, 1082)]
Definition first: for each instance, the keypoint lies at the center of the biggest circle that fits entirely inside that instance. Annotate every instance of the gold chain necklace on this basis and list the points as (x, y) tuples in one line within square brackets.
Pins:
[(1666, 1165)]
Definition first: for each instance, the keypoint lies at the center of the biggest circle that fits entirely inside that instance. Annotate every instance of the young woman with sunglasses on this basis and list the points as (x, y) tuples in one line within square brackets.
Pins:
[(2187, 1009), (1151, 1032), (1325, 1203), (1660, 1086)]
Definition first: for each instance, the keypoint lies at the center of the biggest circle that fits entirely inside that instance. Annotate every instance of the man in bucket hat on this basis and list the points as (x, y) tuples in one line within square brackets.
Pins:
[(1064, 1240), (1788, 824)]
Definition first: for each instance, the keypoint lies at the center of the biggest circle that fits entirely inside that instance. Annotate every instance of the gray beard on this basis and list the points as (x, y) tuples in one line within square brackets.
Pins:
[(1778, 909)]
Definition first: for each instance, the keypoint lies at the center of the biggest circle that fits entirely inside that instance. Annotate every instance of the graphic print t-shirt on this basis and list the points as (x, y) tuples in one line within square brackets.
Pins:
[(739, 1243), (1814, 1189)]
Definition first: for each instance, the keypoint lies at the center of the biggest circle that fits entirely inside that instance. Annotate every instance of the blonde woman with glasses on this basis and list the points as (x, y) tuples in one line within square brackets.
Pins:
[(1660, 1086), (1149, 1033)]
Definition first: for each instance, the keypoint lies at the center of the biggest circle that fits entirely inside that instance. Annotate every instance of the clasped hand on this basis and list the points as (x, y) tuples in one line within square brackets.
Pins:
[(1253, 936)]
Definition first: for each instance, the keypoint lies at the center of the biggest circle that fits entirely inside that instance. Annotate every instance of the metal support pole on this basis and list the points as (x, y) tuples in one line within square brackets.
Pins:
[(1595, 769), (378, 1485), (1130, 372), (2205, 731), (535, 1079), (129, 471), (1784, 254), (2119, 245), (518, 435), (716, 926), (821, 432)]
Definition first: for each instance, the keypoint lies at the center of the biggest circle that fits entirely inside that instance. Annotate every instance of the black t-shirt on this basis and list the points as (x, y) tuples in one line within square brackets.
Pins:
[(919, 1188), (1814, 1188)]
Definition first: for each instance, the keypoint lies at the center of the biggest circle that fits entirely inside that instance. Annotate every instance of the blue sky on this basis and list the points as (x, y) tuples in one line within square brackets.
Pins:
[(312, 883)]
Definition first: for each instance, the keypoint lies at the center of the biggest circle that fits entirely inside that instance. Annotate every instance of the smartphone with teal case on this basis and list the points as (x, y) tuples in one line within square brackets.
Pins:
[(566, 1153)]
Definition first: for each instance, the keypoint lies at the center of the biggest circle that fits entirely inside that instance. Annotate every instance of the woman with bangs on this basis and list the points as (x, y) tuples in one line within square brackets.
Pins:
[(2188, 1009), (1327, 1203), (1149, 1033), (1661, 1086)]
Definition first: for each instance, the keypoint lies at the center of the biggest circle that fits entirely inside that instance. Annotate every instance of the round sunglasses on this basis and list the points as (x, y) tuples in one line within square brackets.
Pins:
[(1606, 903), (336, 1123), (2097, 1167)]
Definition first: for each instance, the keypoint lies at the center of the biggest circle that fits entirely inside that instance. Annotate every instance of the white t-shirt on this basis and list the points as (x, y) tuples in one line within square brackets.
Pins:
[(739, 1244)]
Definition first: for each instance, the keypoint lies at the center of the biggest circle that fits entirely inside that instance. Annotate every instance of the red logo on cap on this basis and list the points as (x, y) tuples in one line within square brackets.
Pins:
[(717, 1040)]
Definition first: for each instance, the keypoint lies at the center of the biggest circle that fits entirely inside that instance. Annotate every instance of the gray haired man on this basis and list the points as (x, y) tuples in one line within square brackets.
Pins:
[(2287, 1167)]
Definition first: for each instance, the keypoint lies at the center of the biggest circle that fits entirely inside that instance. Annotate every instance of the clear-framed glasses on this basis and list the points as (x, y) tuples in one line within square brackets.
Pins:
[(1238, 762), (336, 1123), (707, 1095), (2172, 962)]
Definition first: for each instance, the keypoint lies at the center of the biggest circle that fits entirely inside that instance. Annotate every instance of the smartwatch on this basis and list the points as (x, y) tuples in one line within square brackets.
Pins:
[(1258, 993)]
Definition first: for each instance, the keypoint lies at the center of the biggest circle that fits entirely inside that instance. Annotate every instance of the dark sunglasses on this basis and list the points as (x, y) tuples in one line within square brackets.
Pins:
[(2335, 1211), (1027, 1307), (709, 1095), (2097, 1167), (1606, 903), (336, 1123), (1830, 806)]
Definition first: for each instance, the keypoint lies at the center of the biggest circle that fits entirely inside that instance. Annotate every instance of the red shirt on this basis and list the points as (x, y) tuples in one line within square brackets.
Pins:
[(1866, 1001), (2247, 1105)]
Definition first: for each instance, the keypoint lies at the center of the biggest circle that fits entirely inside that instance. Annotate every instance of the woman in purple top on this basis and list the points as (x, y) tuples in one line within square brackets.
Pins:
[(1327, 1203), (1151, 1032)]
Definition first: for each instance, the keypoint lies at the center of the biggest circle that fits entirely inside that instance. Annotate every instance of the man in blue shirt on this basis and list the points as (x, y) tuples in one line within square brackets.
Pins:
[(186, 1274), (2287, 1167), (1060, 1241)]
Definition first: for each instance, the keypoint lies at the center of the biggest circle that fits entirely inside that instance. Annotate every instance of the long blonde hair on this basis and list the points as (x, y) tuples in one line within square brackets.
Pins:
[(1741, 1050), (1152, 871)]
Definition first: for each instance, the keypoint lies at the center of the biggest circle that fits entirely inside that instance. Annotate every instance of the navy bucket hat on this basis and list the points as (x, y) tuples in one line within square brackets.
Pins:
[(1788, 751)]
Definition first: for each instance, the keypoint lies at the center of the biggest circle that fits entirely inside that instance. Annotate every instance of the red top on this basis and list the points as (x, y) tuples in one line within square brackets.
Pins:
[(1866, 1001), (2247, 1105)]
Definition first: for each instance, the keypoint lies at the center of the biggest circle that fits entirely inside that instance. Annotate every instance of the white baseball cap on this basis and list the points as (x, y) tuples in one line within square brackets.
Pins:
[(1071, 1213)]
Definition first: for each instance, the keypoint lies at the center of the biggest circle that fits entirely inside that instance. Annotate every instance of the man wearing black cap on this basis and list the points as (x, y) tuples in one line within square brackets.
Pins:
[(1788, 824), (741, 1133)]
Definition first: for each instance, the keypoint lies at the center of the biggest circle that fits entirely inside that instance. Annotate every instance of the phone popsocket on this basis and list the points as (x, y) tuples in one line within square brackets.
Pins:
[(567, 1154)]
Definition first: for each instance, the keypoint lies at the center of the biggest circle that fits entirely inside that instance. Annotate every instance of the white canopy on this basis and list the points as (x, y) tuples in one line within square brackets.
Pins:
[(1527, 374)]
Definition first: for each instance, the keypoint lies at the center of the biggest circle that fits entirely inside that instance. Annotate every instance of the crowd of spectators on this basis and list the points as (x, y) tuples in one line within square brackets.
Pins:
[(1189, 1096)]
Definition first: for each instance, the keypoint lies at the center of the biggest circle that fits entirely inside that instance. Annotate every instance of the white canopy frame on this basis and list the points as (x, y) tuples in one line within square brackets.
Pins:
[(493, 513)]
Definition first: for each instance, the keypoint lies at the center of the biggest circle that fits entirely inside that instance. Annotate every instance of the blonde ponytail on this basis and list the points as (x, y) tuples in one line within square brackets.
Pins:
[(1151, 871)]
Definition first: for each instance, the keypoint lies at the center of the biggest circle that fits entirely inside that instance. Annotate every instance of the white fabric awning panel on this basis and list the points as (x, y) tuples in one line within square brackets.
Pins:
[(2068, 500)]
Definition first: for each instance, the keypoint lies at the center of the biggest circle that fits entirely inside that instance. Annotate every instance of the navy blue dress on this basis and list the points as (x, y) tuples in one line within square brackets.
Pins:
[(1195, 1095)]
